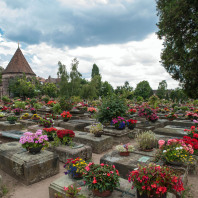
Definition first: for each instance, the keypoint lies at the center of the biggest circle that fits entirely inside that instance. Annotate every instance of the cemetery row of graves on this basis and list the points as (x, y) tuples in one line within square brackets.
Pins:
[(37, 134)]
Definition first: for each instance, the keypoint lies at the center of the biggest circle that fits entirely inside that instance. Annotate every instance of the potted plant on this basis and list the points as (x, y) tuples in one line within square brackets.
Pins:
[(25, 116), (96, 129), (50, 132), (66, 116), (191, 115), (51, 116), (73, 192), (64, 137), (51, 103), (119, 123), (12, 119), (102, 179), (153, 117), (154, 181), (34, 142), (146, 140), (35, 117), (4, 109), (2, 115), (132, 111), (91, 110), (171, 116), (82, 107), (75, 168), (131, 123), (125, 149), (175, 152), (33, 110), (46, 122), (17, 111)]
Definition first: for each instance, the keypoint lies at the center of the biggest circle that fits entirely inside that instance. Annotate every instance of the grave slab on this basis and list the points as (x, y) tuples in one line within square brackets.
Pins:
[(34, 128), (181, 123), (77, 125), (125, 164), (12, 134), (25, 167), (27, 123), (170, 131), (66, 152), (6, 126), (98, 144)]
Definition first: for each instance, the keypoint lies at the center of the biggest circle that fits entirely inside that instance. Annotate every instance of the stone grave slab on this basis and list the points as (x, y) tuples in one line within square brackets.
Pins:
[(27, 123), (171, 130), (6, 126), (34, 128), (125, 164), (78, 125), (182, 123), (146, 125), (98, 144), (25, 167), (66, 152), (12, 134), (119, 136)]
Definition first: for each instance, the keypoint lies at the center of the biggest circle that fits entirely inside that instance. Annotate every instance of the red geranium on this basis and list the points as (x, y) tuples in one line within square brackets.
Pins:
[(65, 133)]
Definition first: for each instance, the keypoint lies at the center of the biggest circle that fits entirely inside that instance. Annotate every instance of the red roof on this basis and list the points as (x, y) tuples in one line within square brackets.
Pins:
[(18, 64)]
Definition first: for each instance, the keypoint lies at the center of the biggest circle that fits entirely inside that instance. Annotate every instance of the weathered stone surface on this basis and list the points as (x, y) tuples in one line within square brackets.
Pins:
[(26, 167), (6, 126), (170, 131), (1, 184), (125, 164), (98, 144), (77, 125), (12, 134), (66, 152), (146, 125), (119, 136), (181, 123), (34, 128), (27, 123)]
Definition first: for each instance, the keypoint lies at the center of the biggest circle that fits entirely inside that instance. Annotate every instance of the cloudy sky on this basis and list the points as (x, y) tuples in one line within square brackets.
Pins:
[(118, 35)]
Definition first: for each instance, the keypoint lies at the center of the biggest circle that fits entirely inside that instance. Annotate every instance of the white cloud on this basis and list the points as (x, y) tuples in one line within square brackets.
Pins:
[(132, 61)]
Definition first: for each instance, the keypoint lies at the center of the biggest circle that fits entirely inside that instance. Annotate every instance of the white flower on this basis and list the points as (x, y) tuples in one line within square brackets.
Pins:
[(164, 151)]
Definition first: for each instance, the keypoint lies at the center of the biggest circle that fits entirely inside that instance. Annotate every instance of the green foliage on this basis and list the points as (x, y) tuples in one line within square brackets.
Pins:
[(178, 95), (56, 108), (126, 90), (11, 118), (65, 104), (143, 89), (162, 89), (95, 71), (46, 99), (178, 24), (106, 89), (50, 89), (19, 104), (75, 99), (195, 102), (154, 101), (140, 99), (112, 107), (1, 70), (37, 105), (6, 99), (33, 101)]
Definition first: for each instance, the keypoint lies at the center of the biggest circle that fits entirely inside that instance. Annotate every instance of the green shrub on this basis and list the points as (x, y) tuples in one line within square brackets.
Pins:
[(57, 108), (19, 104), (65, 104), (111, 107), (5, 99), (46, 99)]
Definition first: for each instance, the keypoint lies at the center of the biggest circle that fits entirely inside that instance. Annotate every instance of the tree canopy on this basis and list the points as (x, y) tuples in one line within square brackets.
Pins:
[(178, 27)]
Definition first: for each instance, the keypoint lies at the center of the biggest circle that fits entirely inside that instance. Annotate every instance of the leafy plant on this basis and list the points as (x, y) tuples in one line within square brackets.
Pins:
[(19, 104), (57, 108), (96, 127), (5, 99), (72, 191), (12, 118)]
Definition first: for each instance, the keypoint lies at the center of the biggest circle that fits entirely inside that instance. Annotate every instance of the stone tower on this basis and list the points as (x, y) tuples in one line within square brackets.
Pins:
[(17, 66)]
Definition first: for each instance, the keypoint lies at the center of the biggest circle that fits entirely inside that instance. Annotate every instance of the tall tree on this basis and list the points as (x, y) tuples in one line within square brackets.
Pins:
[(143, 89), (1, 70), (95, 71), (162, 89), (75, 77), (178, 27), (106, 89), (63, 80)]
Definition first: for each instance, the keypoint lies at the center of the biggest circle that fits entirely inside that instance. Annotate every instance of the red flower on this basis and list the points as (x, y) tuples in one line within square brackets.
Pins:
[(94, 181), (108, 174)]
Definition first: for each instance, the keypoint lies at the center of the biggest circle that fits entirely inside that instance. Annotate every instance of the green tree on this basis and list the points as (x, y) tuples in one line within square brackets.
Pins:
[(178, 95), (50, 89), (95, 71), (63, 80), (106, 89), (178, 27), (143, 89), (75, 77), (162, 89)]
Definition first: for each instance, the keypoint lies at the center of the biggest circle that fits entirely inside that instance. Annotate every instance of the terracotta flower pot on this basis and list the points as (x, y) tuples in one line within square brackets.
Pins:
[(124, 153), (106, 193)]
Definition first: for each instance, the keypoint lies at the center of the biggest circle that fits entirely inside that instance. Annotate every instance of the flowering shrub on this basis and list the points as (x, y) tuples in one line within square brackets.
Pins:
[(75, 166), (153, 117), (125, 148), (132, 111), (191, 115), (91, 109), (51, 103), (101, 177), (154, 180), (51, 116), (25, 116), (119, 122), (35, 117), (145, 111), (45, 122), (95, 127), (17, 110), (171, 116), (66, 115), (33, 140), (131, 123), (4, 108), (72, 191), (50, 132), (175, 150), (64, 136)]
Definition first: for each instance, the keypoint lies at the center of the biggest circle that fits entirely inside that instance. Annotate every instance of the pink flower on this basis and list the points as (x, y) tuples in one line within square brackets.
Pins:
[(102, 164), (161, 143), (65, 188), (87, 168)]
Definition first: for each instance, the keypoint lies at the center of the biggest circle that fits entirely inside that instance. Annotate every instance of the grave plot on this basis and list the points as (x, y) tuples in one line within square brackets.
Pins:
[(27, 123), (6, 126), (182, 123), (171, 130), (34, 128), (119, 136), (98, 144), (25, 167), (78, 150), (12, 134)]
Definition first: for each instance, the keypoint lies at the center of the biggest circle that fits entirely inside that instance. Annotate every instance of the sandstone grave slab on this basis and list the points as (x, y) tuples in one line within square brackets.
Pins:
[(25, 167), (6, 126)]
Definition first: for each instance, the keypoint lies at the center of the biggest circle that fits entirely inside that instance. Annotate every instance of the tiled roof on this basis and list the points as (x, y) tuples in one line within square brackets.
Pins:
[(18, 64)]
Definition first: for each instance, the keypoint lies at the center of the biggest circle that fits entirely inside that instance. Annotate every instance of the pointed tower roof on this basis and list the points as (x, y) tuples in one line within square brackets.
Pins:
[(18, 64)]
